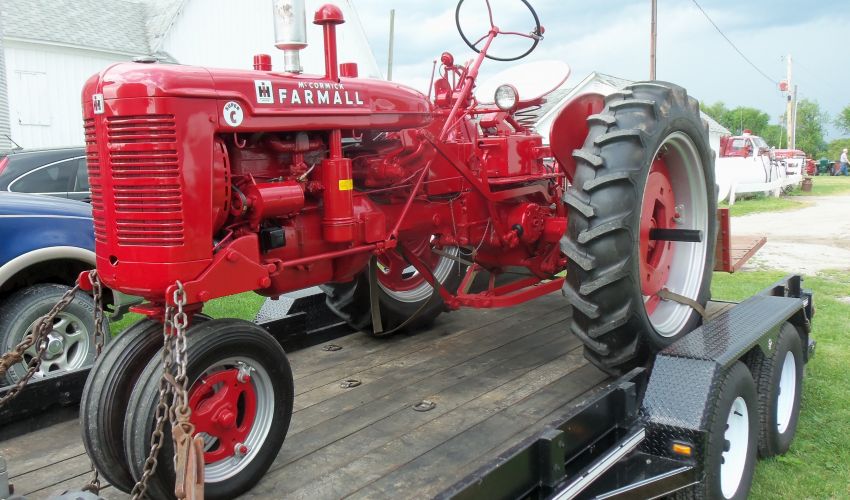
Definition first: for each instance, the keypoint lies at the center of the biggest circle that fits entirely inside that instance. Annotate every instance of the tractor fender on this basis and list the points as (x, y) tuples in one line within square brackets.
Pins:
[(569, 128)]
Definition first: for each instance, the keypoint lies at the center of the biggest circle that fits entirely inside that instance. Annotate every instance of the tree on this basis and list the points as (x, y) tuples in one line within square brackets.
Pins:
[(842, 121), (738, 119), (775, 136), (833, 151), (810, 128)]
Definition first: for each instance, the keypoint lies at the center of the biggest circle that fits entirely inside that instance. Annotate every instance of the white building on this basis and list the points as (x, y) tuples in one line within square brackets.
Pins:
[(48, 48)]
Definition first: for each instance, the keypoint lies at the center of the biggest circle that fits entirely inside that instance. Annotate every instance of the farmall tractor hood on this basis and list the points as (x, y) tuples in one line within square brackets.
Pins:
[(249, 100)]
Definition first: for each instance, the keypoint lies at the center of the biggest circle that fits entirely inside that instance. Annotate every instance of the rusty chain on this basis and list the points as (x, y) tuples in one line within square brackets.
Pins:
[(177, 412)]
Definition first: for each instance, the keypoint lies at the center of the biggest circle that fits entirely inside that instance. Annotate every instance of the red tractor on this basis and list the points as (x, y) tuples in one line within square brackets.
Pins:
[(207, 183)]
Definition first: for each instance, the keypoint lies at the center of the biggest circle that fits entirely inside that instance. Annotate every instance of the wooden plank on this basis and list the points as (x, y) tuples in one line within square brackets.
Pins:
[(377, 369), (513, 376), (743, 249), (33, 451), (436, 468), (395, 346), (440, 355), (302, 443), (47, 479)]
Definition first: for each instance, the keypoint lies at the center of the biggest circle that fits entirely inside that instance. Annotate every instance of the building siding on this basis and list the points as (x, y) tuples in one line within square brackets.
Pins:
[(5, 127), (44, 84)]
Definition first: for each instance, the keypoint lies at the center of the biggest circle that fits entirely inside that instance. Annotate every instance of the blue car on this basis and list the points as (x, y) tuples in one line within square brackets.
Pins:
[(45, 242)]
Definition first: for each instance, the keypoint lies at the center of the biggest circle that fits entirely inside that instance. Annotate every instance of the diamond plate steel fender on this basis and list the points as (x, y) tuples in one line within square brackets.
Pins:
[(678, 395)]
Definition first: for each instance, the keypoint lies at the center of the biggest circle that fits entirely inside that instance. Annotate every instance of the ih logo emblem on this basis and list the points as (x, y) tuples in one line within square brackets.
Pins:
[(97, 104), (264, 91)]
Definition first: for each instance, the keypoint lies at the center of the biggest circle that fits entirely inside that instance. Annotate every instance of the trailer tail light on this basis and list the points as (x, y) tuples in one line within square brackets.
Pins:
[(683, 449)]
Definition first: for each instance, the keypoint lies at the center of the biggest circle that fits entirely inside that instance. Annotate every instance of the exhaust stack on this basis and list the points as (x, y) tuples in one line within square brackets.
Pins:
[(290, 32)]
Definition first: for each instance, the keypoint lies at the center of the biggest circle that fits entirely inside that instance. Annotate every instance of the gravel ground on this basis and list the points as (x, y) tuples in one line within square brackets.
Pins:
[(808, 240)]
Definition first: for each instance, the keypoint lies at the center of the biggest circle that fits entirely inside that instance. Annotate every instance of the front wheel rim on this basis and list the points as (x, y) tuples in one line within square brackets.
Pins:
[(736, 444), (787, 392), (676, 198), (233, 408)]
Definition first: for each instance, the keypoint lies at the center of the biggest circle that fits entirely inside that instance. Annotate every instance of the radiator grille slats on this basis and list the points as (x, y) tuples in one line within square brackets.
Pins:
[(95, 183), (144, 165)]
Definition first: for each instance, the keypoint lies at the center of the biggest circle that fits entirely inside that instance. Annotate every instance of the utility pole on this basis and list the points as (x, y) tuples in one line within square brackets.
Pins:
[(392, 41), (789, 105), (794, 121), (653, 40)]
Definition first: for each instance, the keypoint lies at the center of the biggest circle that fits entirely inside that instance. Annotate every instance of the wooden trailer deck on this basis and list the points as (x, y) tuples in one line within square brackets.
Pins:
[(496, 376)]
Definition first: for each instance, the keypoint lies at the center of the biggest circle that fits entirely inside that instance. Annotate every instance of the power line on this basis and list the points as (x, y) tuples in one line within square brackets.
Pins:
[(771, 80)]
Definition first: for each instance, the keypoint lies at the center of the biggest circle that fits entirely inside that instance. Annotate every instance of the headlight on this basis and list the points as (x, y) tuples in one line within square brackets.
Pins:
[(507, 98)]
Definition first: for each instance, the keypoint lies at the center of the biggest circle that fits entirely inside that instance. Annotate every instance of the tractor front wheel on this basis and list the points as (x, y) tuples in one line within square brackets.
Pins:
[(240, 393), (645, 173)]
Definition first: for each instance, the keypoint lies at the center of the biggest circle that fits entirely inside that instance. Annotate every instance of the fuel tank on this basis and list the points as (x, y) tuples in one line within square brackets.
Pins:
[(251, 101)]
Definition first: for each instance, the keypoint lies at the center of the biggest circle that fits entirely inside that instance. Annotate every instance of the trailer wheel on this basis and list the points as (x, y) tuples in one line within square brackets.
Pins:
[(241, 393), (645, 165), (403, 291), (779, 380), (730, 454), (70, 344), (106, 395)]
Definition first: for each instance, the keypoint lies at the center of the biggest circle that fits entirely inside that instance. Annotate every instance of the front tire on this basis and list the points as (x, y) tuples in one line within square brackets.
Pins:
[(71, 342), (645, 165), (240, 392)]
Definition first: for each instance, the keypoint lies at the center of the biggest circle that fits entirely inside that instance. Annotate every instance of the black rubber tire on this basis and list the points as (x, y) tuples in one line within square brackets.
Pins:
[(603, 280), (767, 371), (25, 306), (352, 303), (207, 343), (106, 396), (736, 382)]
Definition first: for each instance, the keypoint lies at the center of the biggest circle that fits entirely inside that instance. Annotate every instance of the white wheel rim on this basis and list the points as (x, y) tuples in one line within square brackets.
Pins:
[(734, 460), (228, 467), (687, 268), (67, 345), (787, 392), (422, 292)]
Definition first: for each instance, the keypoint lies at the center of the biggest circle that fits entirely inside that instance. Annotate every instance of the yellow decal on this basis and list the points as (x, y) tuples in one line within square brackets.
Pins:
[(346, 184)]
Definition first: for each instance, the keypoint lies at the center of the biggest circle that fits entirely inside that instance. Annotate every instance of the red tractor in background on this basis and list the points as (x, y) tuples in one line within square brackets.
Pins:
[(208, 182)]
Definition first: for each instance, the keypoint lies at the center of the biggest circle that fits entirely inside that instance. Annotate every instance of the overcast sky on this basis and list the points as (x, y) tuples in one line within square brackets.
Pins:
[(612, 36)]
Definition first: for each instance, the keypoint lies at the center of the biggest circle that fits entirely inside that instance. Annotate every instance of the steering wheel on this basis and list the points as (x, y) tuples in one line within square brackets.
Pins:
[(536, 34)]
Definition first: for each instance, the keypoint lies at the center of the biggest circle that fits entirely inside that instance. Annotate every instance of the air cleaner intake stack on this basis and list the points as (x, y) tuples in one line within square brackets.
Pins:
[(290, 32)]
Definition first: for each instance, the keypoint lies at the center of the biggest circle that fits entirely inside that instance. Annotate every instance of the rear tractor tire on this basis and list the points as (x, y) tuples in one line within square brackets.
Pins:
[(645, 165), (402, 293)]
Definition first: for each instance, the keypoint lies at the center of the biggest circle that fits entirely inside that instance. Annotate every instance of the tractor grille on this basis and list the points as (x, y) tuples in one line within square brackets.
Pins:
[(93, 162), (145, 170)]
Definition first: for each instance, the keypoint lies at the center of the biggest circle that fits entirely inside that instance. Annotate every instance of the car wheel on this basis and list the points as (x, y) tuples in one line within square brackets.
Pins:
[(70, 344)]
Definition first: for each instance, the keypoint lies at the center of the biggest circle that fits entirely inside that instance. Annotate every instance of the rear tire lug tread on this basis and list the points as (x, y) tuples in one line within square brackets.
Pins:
[(604, 180), (602, 119), (583, 207), (587, 308), (633, 103), (592, 159), (603, 229), (618, 135), (577, 256), (607, 278)]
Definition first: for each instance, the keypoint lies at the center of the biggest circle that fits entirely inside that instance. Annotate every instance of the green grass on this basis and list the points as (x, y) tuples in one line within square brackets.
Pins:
[(242, 306), (818, 464), (762, 203), (825, 186)]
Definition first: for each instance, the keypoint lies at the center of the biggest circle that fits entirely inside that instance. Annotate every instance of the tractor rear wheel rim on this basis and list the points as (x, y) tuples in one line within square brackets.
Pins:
[(232, 406), (736, 443), (787, 392), (401, 281), (676, 266)]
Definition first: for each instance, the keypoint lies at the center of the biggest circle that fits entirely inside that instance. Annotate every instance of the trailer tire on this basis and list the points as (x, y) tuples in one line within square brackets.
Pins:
[(733, 394), (779, 411), (106, 395), (219, 348), (352, 301), (645, 164)]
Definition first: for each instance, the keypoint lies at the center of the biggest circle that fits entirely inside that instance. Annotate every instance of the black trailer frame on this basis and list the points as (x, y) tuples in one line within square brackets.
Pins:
[(618, 443)]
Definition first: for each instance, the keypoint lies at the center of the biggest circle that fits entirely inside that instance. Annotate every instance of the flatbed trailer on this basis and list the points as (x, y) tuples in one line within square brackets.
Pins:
[(494, 403)]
